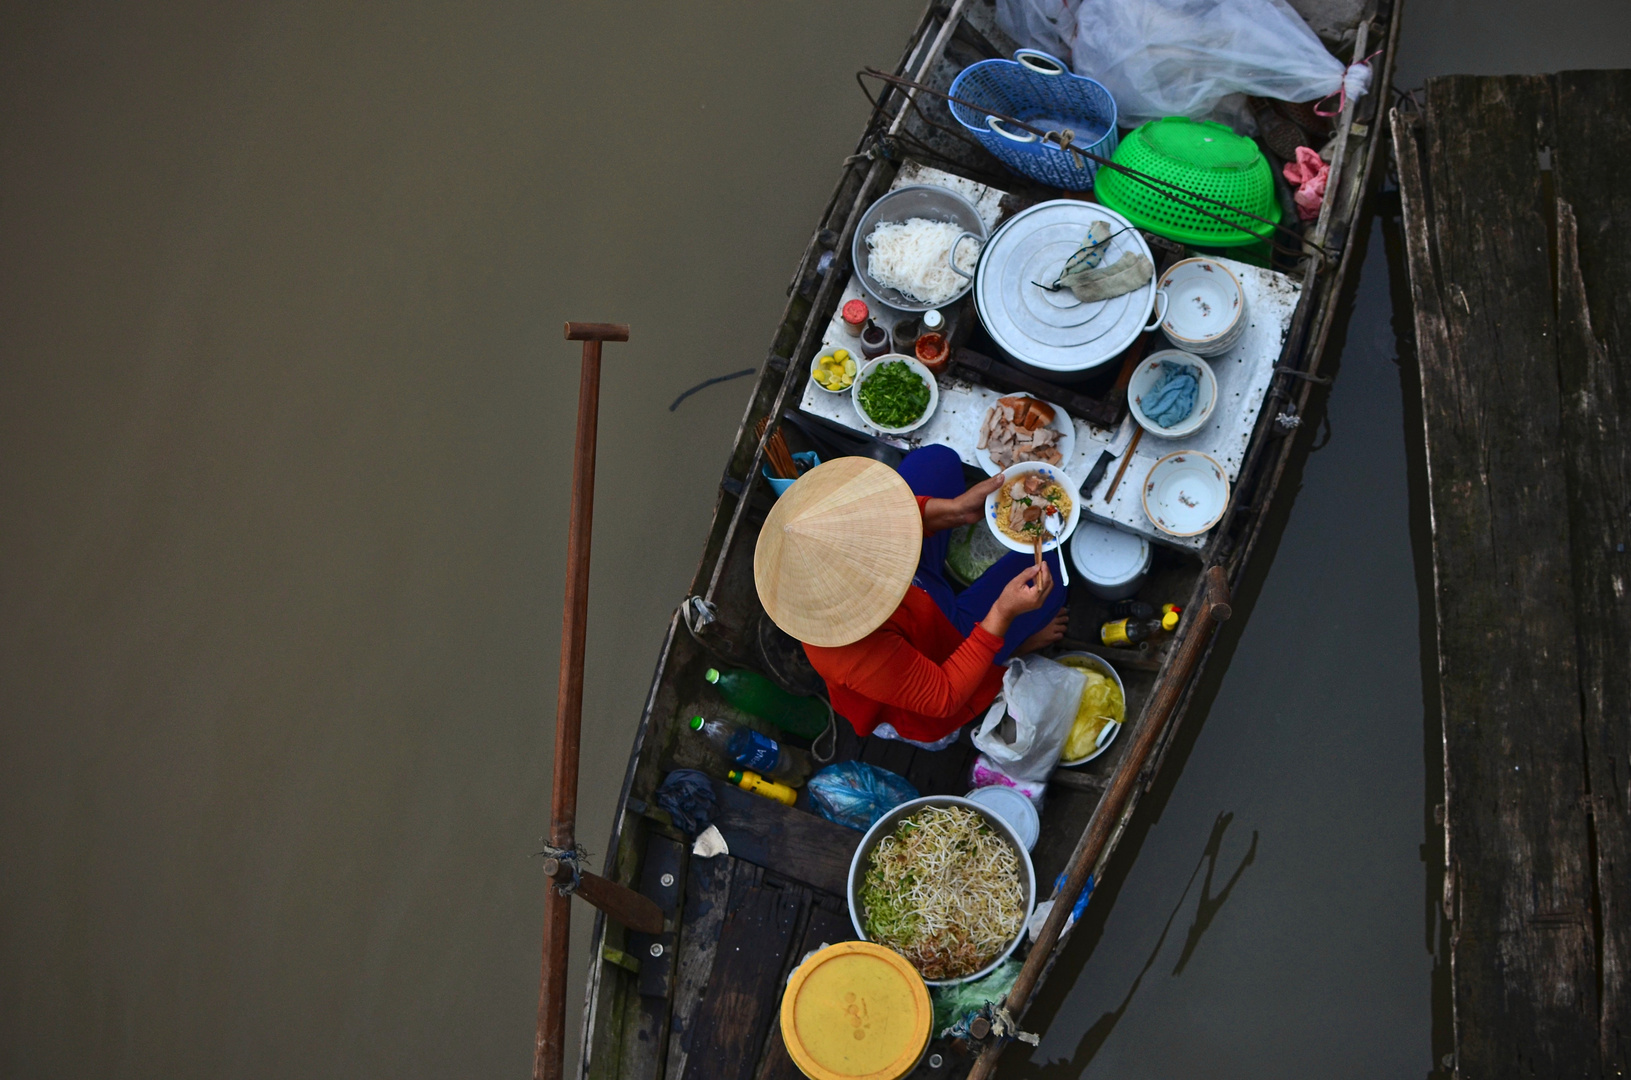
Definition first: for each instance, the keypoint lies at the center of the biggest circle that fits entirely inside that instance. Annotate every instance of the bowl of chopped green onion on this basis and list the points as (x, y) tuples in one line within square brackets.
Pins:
[(945, 882), (895, 394)]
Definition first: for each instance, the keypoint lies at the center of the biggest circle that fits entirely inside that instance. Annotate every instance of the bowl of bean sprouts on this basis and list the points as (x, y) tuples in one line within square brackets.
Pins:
[(946, 883)]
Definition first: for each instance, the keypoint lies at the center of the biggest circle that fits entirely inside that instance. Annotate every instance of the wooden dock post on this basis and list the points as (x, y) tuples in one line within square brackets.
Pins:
[(1517, 208)]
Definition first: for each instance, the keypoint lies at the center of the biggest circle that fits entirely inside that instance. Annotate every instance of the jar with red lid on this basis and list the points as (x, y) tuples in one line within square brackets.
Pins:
[(933, 352), (854, 316)]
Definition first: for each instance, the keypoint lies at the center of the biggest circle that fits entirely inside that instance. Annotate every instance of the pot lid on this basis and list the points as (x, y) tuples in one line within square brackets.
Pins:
[(1054, 330), (1108, 556)]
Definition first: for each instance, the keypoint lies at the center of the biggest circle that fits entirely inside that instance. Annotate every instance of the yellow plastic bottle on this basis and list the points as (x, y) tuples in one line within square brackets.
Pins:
[(748, 780), (1125, 633)]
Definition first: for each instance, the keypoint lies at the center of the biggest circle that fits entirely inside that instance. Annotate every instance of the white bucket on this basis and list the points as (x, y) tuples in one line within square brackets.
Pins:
[(1112, 563)]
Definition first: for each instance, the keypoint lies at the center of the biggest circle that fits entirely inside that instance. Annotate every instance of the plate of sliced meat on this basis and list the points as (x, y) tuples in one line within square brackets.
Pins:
[(1021, 428)]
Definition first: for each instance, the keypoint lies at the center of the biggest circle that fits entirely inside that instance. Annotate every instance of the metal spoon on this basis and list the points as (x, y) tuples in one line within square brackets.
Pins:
[(1054, 523)]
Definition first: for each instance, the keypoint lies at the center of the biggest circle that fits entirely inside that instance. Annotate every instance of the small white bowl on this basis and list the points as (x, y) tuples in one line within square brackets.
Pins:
[(1186, 493), (1206, 307), (1052, 472), (871, 366), (815, 363), (1149, 373), (1105, 738)]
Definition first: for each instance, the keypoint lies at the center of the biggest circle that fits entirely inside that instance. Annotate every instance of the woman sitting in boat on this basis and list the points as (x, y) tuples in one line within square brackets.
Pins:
[(851, 563)]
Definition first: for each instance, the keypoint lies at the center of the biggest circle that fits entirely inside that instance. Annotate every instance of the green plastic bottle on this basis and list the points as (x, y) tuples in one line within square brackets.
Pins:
[(805, 717)]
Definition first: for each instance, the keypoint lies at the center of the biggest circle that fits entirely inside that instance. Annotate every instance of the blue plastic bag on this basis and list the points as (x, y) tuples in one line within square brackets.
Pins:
[(855, 794)]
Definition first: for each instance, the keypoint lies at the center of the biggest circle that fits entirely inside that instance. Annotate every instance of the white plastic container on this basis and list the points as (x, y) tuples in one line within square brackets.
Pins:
[(1013, 808), (1112, 563)]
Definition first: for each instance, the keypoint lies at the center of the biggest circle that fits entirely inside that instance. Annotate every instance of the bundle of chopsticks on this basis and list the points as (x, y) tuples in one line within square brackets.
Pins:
[(779, 457)]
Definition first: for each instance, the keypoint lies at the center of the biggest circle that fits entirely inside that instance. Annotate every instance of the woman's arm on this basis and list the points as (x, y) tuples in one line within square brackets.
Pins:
[(892, 671), (967, 508)]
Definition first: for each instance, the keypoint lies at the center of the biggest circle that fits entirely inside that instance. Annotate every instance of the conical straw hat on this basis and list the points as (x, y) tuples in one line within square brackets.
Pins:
[(838, 551)]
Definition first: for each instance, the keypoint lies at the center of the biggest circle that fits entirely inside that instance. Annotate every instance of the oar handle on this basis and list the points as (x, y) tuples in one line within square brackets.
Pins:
[(549, 1048), (597, 331)]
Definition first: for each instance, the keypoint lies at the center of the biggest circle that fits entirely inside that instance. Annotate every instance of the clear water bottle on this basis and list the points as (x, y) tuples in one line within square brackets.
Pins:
[(751, 750), (756, 695)]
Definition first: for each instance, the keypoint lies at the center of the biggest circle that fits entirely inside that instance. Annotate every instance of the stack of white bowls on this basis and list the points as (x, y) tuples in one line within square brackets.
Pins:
[(1206, 307)]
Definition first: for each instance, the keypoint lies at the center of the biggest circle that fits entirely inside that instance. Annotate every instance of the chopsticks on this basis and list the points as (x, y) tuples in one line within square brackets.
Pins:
[(1121, 470), (776, 452)]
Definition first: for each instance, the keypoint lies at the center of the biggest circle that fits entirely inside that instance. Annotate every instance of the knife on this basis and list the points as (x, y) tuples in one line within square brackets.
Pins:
[(1124, 435)]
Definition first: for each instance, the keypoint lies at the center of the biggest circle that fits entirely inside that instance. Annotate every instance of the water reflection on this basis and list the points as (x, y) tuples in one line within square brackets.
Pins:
[(1206, 909)]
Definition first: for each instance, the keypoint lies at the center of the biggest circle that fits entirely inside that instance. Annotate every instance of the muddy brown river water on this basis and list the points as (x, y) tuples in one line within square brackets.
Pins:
[(286, 424)]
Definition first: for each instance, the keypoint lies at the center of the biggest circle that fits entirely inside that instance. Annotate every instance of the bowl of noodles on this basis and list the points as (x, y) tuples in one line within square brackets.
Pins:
[(1032, 491), (946, 883)]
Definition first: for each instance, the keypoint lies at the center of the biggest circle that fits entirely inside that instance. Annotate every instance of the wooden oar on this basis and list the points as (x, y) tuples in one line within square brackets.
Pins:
[(1213, 609), (627, 906)]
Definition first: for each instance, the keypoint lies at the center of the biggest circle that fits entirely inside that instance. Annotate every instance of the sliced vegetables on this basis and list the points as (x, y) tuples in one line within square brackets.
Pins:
[(835, 371), (893, 395)]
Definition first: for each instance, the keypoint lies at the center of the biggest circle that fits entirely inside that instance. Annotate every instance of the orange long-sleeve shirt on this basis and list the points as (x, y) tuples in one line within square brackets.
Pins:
[(915, 671)]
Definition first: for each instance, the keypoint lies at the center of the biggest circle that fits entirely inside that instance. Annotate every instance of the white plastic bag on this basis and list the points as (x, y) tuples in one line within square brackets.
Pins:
[(1182, 57), (1026, 728)]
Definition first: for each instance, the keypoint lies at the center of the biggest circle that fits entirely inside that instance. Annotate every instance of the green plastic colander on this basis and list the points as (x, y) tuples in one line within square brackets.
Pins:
[(1198, 156)]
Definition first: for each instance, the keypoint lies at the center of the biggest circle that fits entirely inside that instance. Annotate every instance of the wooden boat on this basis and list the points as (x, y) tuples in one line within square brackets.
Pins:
[(699, 1001)]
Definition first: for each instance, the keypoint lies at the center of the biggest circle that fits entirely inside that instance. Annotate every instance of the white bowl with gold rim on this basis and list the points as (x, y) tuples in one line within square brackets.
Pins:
[(1186, 493)]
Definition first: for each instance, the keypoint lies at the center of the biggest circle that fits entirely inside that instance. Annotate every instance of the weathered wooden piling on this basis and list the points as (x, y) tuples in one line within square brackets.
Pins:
[(1517, 209)]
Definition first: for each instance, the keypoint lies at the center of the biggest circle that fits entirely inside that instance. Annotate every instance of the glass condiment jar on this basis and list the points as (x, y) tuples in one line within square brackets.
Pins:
[(874, 341), (933, 352), (933, 322), (905, 334), (855, 316)]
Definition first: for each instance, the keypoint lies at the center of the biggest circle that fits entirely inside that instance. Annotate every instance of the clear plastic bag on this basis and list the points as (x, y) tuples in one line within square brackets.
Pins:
[(856, 794), (1180, 57), (1026, 727)]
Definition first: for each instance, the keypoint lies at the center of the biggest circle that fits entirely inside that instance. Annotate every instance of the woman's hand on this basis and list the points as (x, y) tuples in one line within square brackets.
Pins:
[(967, 508), (1025, 593)]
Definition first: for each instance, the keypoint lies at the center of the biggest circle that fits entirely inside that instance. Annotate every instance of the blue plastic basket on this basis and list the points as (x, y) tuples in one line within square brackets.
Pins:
[(1039, 90)]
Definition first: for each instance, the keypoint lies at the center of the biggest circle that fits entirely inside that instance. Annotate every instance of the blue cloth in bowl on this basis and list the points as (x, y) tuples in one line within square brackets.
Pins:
[(805, 461), (1170, 401)]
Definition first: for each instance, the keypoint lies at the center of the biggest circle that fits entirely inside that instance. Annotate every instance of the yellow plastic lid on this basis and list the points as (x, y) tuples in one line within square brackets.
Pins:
[(856, 1011)]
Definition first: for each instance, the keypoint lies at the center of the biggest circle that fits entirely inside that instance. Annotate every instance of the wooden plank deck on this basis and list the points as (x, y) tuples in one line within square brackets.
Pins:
[(1517, 202)]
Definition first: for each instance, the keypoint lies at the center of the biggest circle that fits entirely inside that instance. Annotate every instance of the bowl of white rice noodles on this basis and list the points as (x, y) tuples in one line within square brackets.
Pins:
[(904, 245)]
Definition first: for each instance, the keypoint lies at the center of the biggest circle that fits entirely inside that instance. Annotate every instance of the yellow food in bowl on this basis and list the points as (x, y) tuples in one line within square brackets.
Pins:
[(835, 371), (1100, 704)]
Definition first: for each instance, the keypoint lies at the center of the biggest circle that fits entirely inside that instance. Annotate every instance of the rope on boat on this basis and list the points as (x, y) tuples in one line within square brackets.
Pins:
[(999, 1025), (569, 858), (697, 613)]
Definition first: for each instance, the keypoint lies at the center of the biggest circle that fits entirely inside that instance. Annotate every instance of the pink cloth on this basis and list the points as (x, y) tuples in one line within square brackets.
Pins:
[(1310, 173)]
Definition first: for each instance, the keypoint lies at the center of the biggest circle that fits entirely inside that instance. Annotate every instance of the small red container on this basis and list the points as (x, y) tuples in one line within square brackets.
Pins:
[(933, 352), (855, 315)]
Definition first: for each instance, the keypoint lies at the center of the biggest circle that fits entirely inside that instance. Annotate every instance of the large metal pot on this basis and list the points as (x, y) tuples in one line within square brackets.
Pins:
[(903, 204), (886, 825), (1048, 332)]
